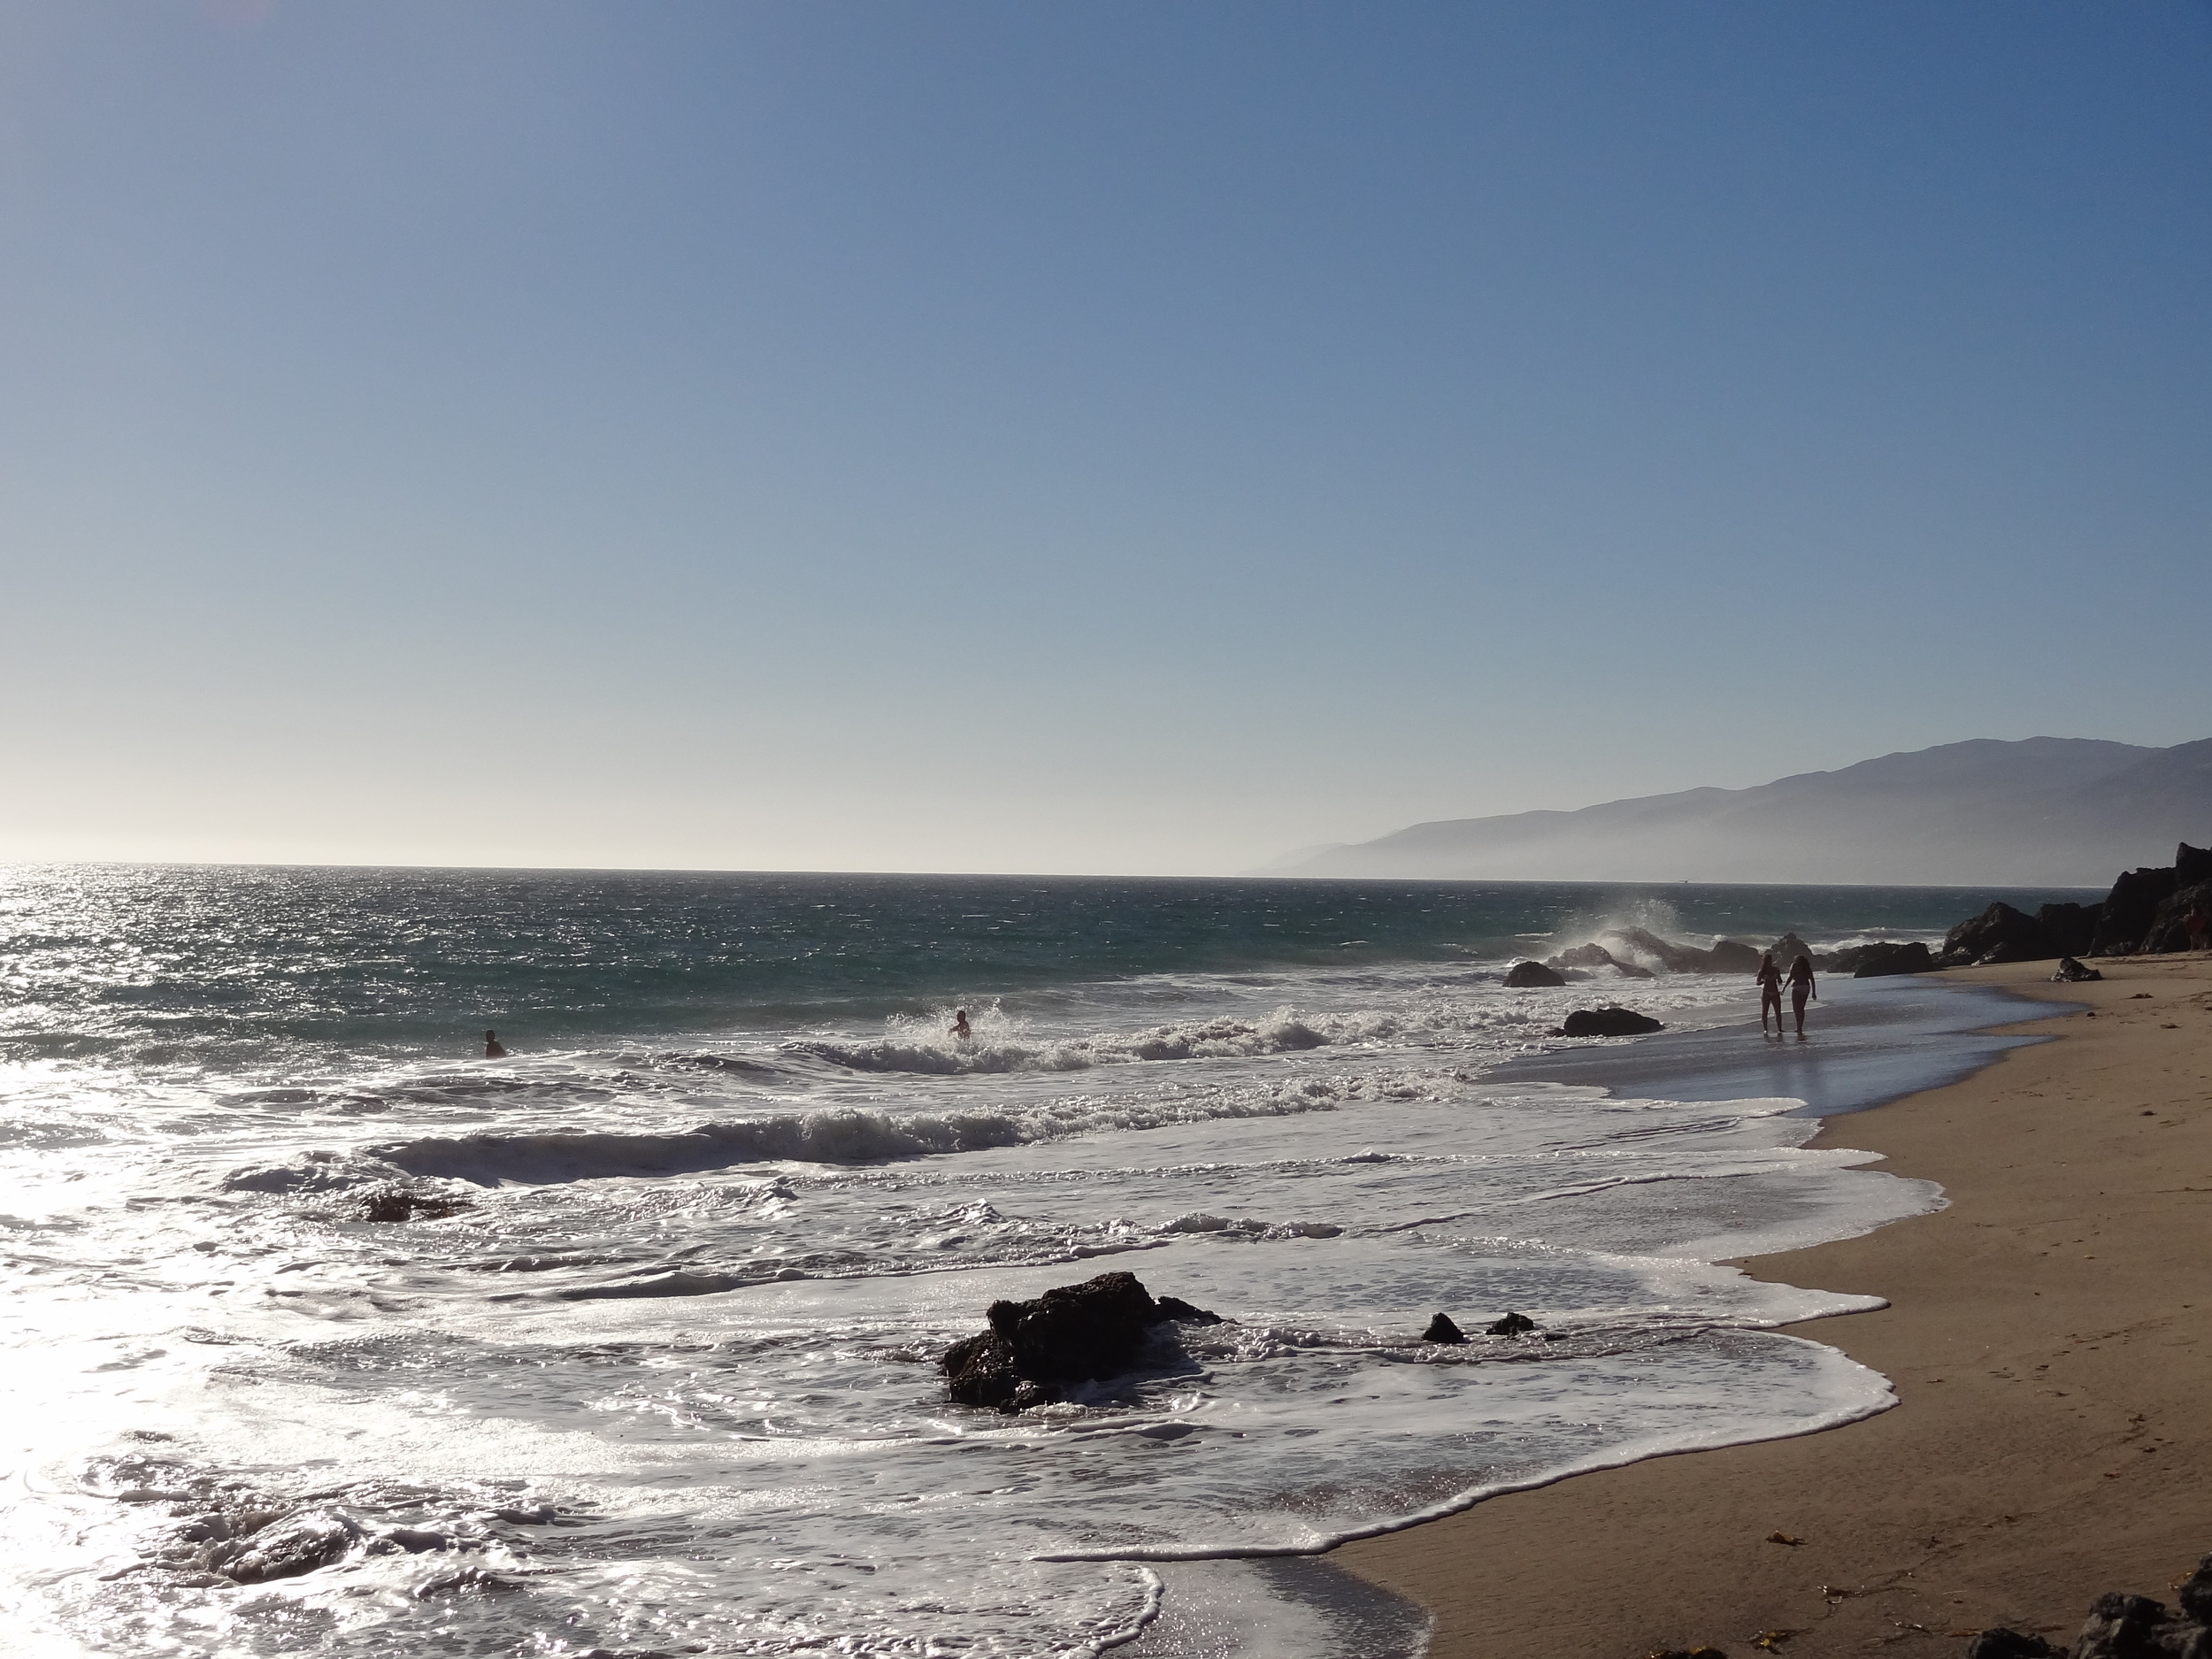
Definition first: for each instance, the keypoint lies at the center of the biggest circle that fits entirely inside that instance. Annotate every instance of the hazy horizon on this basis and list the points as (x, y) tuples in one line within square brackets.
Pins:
[(1125, 441)]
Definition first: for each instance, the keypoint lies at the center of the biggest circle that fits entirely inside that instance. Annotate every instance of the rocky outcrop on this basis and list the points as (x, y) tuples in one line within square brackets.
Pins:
[(2168, 927), (2000, 933), (2069, 927), (2128, 910), (1442, 1330), (1608, 1022), (2192, 864), (1071, 1333), (2121, 1626), (1525, 976)]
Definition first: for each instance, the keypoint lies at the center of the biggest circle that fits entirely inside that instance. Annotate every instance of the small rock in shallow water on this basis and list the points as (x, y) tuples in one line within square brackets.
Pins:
[(1608, 1022), (1512, 1324), (1442, 1330), (1524, 976), (1176, 1310)]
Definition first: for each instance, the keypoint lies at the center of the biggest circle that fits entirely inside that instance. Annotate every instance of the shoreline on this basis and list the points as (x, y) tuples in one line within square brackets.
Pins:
[(2045, 1441)]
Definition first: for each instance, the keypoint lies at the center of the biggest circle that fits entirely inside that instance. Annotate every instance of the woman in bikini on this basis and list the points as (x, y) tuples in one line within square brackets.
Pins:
[(1800, 987), (1770, 992)]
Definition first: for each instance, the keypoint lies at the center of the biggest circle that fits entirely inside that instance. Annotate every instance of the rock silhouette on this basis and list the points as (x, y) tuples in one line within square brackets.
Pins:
[(1071, 1333), (1442, 1330), (1527, 975), (1608, 1022), (1512, 1324)]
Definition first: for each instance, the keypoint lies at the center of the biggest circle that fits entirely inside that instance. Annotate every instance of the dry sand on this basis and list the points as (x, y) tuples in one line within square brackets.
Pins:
[(2049, 1338)]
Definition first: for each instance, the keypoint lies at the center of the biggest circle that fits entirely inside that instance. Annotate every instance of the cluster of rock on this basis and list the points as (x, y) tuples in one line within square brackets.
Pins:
[(1442, 1330), (1071, 1333), (2146, 914), (2121, 1626)]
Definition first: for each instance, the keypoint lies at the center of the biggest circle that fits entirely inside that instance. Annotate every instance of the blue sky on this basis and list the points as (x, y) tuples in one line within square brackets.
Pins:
[(1130, 437)]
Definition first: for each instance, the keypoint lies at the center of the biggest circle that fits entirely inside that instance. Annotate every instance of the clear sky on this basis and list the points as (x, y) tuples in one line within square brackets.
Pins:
[(1116, 436)]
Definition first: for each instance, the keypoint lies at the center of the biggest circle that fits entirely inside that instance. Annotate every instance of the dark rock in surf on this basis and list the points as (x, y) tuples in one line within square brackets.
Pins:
[(1524, 976), (1788, 948), (1071, 1333), (1732, 956), (1442, 1330), (2073, 973), (1879, 961), (392, 1202), (1673, 958), (1175, 1310), (1633, 969), (1608, 1022), (1583, 956), (1512, 1324), (285, 1548)]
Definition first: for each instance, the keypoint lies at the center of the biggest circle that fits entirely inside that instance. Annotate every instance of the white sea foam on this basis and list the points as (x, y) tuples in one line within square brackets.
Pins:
[(663, 1377)]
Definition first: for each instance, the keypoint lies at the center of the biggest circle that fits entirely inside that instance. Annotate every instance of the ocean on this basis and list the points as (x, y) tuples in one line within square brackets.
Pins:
[(653, 1370)]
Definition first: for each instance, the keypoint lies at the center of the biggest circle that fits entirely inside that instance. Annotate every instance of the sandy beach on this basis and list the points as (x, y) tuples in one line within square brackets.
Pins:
[(2046, 1337)]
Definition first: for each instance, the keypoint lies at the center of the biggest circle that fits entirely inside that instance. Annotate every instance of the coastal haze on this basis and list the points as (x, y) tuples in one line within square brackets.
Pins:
[(2046, 812)]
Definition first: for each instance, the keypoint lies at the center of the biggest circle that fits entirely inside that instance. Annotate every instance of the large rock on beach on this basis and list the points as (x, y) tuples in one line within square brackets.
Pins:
[(1071, 1333), (2071, 972), (2168, 927), (2069, 927), (1608, 1022), (1788, 948), (2000, 933), (2128, 910), (1524, 976)]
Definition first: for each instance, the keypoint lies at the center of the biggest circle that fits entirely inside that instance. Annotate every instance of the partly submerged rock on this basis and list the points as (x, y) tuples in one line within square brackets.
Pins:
[(1175, 1310), (1583, 956), (1528, 975), (1608, 1022), (390, 1202), (285, 1548), (1732, 956), (1788, 948), (1879, 961), (2073, 973), (1512, 1324), (1442, 1330), (1071, 1333)]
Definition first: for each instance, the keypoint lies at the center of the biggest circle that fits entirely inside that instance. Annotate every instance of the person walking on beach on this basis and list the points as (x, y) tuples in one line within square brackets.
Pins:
[(1800, 987), (1770, 992), (493, 1049), (2198, 922)]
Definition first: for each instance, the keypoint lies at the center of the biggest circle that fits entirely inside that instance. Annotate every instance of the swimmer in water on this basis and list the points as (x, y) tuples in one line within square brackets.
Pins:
[(492, 1048), (960, 1029)]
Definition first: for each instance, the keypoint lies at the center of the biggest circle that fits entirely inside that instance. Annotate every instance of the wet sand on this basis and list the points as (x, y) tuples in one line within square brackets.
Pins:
[(2048, 1339)]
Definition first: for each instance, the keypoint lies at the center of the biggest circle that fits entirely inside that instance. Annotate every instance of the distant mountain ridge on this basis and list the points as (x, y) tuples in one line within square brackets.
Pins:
[(2046, 812)]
